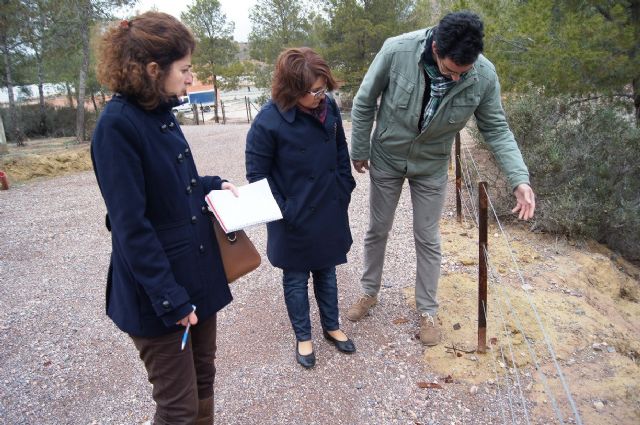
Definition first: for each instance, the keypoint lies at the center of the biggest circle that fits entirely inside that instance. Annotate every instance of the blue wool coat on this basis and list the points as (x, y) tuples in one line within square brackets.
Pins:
[(164, 256), (308, 168)]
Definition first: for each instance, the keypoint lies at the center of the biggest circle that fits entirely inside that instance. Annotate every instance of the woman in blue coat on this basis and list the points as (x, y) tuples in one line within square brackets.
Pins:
[(164, 261), (298, 143)]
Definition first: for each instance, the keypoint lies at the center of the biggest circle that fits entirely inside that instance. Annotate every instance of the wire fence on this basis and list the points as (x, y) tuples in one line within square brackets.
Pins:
[(502, 315)]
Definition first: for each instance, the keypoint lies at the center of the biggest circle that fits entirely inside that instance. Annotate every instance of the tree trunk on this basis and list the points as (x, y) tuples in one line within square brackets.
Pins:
[(42, 126), (69, 94), (635, 22), (13, 113), (40, 70), (636, 99), (82, 79), (3, 140)]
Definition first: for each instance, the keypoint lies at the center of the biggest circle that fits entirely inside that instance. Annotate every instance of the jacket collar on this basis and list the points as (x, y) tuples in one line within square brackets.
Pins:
[(288, 115)]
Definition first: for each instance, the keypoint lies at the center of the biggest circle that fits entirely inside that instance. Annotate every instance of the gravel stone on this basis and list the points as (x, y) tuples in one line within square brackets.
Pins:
[(62, 361)]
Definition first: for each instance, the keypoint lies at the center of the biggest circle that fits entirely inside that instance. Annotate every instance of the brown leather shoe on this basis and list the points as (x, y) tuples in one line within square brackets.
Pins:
[(429, 330), (361, 307)]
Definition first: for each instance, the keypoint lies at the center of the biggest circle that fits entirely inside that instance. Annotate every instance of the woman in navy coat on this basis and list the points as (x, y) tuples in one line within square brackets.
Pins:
[(164, 261), (298, 143)]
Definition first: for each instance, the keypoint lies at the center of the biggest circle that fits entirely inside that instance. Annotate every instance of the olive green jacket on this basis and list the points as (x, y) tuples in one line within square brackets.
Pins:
[(396, 146)]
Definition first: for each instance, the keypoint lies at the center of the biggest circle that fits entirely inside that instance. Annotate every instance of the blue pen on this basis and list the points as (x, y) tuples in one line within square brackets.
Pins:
[(186, 333)]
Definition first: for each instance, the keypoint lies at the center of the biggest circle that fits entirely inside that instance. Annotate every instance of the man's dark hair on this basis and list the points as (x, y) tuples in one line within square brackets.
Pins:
[(458, 36)]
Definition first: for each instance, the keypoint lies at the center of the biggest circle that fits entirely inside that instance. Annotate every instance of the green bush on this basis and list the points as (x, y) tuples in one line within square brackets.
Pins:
[(60, 122), (583, 166)]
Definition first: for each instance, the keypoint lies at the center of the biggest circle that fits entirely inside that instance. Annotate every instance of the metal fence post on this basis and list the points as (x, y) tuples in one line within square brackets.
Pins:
[(458, 180), (482, 267)]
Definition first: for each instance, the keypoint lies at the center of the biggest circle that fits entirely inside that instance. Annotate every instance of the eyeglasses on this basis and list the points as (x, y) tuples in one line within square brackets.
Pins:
[(316, 94), (444, 70)]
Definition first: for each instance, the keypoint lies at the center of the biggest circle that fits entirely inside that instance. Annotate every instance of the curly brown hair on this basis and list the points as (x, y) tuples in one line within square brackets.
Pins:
[(130, 45), (296, 71)]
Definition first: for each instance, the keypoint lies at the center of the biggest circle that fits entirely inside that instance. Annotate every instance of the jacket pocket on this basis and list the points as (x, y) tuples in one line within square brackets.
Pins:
[(290, 210), (462, 107), (175, 238), (401, 93)]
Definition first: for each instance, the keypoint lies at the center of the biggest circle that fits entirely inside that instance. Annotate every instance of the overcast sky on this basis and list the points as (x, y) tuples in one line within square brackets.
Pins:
[(236, 11)]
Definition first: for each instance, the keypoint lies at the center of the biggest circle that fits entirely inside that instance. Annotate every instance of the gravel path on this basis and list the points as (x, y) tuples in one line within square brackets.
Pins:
[(62, 361)]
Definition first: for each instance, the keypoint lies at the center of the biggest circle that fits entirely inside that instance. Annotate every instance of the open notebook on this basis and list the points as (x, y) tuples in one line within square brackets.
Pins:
[(255, 205)]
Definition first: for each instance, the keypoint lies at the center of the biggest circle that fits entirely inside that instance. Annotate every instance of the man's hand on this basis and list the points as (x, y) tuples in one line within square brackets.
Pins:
[(525, 201), (360, 166), (231, 187)]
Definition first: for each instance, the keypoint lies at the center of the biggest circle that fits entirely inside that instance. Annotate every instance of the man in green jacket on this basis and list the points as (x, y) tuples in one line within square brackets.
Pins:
[(430, 82)]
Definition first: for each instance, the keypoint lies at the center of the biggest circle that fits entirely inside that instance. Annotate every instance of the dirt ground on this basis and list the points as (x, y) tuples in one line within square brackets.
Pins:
[(579, 298)]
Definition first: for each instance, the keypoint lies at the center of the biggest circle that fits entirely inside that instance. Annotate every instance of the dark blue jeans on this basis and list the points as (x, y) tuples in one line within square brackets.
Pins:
[(296, 298)]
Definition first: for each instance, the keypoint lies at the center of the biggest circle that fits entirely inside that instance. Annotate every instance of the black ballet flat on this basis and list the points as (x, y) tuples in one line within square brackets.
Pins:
[(307, 361), (347, 347)]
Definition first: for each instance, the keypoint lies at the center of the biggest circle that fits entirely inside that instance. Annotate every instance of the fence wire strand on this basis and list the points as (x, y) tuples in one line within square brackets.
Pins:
[(538, 319), (467, 175)]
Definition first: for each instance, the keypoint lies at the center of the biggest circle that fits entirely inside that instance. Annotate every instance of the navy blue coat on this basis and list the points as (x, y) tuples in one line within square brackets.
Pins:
[(308, 168), (164, 257)]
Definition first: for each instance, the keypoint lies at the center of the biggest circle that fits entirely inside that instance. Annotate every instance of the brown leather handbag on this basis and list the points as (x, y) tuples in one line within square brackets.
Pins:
[(239, 255)]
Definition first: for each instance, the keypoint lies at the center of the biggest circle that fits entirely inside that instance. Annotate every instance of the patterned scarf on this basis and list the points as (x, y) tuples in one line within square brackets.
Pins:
[(440, 84), (319, 112)]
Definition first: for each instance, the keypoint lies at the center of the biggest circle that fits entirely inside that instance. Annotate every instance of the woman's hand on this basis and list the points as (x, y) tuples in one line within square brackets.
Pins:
[(191, 318), (231, 187)]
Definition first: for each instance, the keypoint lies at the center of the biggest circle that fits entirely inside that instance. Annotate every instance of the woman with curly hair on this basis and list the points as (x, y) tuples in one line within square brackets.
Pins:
[(164, 263)]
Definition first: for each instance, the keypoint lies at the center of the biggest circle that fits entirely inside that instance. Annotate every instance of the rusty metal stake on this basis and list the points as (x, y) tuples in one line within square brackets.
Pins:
[(482, 267), (458, 180)]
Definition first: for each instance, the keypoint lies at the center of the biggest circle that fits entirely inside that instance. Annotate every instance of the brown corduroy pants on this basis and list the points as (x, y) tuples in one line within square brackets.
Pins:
[(181, 379)]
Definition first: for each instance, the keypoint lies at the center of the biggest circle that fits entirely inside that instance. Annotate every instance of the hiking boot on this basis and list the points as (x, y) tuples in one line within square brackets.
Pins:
[(361, 307), (429, 330)]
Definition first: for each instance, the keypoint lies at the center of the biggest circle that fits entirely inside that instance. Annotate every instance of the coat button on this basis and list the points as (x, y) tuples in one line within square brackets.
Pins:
[(187, 152), (203, 209), (194, 182), (194, 219), (180, 158), (188, 190), (163, 128), (201, 248), (312, 209), (166, 305)]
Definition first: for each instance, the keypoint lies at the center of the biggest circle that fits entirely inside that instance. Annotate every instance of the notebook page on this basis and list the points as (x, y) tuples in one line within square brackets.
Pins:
[(254, 205)]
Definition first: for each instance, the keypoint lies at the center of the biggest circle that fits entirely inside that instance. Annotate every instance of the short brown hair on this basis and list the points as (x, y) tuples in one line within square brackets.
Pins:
[(296, 71), (130, 45)]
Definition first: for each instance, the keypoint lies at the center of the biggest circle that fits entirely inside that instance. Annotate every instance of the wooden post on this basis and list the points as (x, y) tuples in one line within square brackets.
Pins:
[(224, 118), (482, 267), (3, 139), (194, 109), (458, 180), (247, 107)]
